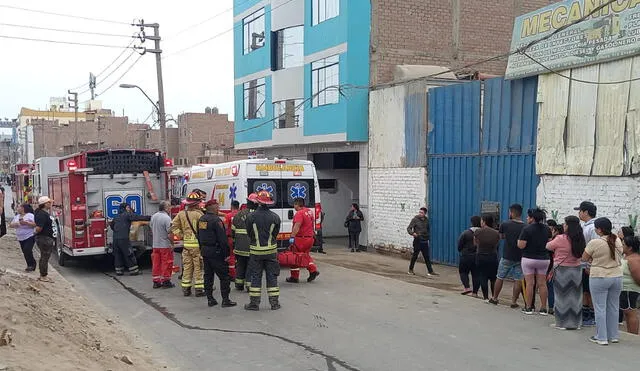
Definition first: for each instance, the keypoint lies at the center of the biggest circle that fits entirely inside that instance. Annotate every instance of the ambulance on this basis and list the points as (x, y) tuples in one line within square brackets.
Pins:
[(286, 180)]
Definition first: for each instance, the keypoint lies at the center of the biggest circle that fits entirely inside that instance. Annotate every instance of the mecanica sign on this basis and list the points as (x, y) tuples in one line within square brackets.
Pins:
[(609, 33)]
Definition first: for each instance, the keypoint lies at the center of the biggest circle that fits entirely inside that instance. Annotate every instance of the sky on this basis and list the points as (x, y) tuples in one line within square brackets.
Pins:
[(31, 72)]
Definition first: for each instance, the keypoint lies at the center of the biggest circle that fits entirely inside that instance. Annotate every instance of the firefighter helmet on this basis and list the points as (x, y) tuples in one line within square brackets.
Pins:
[(264, 198), (253, 198), (193, 198)]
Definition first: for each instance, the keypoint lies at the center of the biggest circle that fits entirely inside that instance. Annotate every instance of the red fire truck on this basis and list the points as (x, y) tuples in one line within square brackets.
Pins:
[(89, 189), (23, 184)]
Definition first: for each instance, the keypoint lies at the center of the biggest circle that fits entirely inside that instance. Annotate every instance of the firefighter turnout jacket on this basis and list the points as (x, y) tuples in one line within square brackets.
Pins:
[(121, 224), (239, 233), (180, 227), (212, 237), (263, 226)]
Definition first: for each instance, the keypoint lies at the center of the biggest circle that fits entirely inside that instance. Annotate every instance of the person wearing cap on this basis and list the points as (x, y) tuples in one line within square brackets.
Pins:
[(587, 212), (184, 226), (122, 251), (46, 234), (263, 227), (215, 254), (241, 243)]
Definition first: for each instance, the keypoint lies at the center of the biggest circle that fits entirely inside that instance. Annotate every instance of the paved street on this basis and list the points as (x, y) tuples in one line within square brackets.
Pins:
[(347, 320)]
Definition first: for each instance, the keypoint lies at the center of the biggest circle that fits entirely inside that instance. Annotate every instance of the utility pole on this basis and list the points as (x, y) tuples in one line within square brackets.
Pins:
[(162, 118), (74, 100)]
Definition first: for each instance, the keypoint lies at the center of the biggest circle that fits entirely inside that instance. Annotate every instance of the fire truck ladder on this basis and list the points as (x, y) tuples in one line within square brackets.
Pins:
[(147, 178)]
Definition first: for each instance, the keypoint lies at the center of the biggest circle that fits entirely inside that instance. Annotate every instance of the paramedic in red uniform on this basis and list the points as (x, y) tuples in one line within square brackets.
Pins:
[(302, 239), (228, 222)]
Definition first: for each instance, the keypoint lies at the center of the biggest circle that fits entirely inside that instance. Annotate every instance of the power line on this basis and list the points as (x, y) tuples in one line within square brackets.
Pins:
[(117, 67), (63, 30), (121, 76), (221, 33), (63, 15), (206, 20), (60, 42), (578, 80), (106, 68)]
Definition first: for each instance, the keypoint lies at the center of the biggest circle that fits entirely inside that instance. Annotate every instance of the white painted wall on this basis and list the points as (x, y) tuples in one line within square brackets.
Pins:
[(286, 13), (386, 127), (287, 83), (615, 197), (395, 196)]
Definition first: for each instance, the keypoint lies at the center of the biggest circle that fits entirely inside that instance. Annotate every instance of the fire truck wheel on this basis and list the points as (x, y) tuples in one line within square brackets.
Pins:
[(62, 257)]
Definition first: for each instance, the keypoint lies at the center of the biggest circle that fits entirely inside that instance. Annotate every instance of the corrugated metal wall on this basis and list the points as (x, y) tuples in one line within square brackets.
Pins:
[(477, 155)]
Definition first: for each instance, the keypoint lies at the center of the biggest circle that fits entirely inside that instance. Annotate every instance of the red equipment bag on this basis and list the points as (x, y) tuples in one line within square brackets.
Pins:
[(290, 259)]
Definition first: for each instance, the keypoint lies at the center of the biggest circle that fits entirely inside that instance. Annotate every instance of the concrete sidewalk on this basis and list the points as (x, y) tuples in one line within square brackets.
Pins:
[(397, 266)]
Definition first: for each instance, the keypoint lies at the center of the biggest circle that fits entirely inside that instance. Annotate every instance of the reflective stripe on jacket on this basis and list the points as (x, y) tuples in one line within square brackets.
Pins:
[(239, 233), (180, 227), (263, 227)]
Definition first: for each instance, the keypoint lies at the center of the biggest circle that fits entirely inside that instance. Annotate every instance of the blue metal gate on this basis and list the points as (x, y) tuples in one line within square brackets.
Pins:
[(479, 151)]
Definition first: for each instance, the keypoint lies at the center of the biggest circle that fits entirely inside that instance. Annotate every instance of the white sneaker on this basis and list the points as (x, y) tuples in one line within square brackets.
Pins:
[(599, 342), (614, 341)]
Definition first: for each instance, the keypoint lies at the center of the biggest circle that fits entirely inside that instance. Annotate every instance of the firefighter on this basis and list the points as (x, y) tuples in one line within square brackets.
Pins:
[(215, 253), (122, 250), (302, 239), (263, 226), (241, 243), (228, 222), (184, 225)]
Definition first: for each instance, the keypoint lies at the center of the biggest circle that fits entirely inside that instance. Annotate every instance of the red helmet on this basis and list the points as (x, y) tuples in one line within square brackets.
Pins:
[(193, 198), (264, 198), (253, 198)]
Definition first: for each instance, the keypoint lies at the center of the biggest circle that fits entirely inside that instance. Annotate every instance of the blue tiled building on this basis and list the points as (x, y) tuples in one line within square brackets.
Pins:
[(301, 75)]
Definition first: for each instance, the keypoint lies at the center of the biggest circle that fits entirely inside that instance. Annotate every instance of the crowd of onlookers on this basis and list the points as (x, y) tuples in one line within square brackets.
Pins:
[(583, 272)]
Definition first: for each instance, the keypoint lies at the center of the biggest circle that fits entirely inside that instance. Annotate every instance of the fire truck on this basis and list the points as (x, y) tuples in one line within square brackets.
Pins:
[(23, 184), (89, 188)]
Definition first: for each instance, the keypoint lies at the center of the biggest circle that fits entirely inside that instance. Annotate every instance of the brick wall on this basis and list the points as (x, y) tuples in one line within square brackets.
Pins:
[(395, 196), (615, 197), (202, 132), (449, 33)]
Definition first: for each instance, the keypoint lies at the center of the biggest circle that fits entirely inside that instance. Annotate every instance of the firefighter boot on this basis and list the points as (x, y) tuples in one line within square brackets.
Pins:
[(211, 301), (254, 304), (275, 305), (200, 293), (226, 303), (186, 291), (240, 286), (292, 280), (313, 276)]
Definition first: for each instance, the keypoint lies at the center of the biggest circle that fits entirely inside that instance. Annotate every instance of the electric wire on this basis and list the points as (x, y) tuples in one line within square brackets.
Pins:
[(121, 76), (63, 15), (60, 42), (107, 67), (63, 30), (221, 33)]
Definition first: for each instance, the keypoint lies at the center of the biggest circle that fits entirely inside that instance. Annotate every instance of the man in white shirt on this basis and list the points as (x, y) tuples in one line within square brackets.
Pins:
[(587, 214)]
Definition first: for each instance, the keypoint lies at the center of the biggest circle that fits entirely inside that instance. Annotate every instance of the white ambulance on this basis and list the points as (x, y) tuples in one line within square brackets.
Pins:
[(286, 180)]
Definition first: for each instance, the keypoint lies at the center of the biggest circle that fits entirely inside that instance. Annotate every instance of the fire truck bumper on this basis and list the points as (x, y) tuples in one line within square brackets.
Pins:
[(90, 251)]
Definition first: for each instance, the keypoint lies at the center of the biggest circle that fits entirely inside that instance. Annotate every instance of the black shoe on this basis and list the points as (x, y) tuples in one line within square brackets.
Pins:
[(157, 285), (212, 302), (168, 285), (119, 273), (353, 250), (227, 303), (292, 280), (322, 252), (252, 306), (313, 276), (239, 287), (200, 293), (30, 269), (136, 273), (186, 291), (493, 301)]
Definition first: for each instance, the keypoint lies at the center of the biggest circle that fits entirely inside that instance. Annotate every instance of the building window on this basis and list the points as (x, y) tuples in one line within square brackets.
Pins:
[(288, 113), (325, 78), (288, 50), (253, 31), (325, 9), (254, 99)]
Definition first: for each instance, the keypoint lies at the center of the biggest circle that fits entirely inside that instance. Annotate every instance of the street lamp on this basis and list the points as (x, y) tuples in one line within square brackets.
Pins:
[(161, 115)]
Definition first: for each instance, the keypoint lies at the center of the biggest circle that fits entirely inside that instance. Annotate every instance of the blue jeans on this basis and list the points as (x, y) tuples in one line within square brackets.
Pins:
[(605, 293)]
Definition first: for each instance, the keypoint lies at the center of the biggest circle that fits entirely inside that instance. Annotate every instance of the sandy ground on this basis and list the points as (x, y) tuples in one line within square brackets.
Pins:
[(50, 326)]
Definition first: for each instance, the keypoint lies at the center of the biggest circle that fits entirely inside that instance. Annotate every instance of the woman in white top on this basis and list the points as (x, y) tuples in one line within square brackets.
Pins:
[(605, 281), (24, 223)]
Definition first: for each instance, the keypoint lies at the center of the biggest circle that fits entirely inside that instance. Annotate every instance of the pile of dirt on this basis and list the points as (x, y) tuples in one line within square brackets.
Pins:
[(49, 326)]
